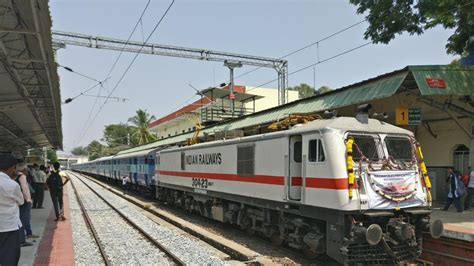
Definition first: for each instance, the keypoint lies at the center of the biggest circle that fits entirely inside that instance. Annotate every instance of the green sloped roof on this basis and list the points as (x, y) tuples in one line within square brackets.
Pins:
[(459, 80)]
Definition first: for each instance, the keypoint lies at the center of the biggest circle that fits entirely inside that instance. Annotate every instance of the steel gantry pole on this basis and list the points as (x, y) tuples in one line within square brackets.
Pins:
[(61, 39)]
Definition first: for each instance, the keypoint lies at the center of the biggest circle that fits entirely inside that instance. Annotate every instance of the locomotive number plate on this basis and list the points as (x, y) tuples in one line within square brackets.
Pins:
[(201, 183)]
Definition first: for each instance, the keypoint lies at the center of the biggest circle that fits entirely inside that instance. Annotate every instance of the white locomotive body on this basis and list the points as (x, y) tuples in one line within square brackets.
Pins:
[(293, 186)]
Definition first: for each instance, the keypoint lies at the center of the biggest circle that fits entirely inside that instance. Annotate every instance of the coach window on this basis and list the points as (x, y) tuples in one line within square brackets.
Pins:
[(316, 151), (246, 160), (297, 151), (182, 161)]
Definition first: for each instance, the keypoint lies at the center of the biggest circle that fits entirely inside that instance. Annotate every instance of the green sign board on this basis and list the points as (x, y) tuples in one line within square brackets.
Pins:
[(414, 117)]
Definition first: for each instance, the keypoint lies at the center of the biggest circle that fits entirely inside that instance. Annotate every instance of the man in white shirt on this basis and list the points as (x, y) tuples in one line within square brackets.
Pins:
[(470, 190), (10, 198), (125, 181)]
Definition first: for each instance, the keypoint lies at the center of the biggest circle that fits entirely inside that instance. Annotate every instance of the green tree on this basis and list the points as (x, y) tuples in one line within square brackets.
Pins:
[(52, 156), (388, 18), (304, 90), (80, 151), (37, 155), (96, 150), (141, 121), (116, 135), (323, 89)]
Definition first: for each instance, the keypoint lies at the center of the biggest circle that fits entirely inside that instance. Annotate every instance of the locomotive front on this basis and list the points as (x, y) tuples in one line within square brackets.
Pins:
[(388, 179)]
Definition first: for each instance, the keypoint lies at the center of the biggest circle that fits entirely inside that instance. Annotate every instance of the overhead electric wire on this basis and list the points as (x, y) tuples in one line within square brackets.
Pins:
[(128, 68), (128, 39), (68, 100), (340, 54), (307, 46), (100, 96), (314, 64), (114, 64), (78, 73)]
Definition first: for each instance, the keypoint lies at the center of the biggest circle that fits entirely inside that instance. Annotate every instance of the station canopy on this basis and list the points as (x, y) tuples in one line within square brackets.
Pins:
[(30, 105), (423, 80)]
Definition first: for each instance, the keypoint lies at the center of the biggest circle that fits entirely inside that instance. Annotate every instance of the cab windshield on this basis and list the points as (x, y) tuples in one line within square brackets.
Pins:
[(399, 148), (366, 147)]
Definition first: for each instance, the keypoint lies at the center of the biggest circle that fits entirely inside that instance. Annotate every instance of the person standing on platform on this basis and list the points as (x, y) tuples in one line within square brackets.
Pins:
[(34, 176), (470, 190), (10, 224), (55, 185), (125, 181), (25, 209), (455, 190), (41, 176)]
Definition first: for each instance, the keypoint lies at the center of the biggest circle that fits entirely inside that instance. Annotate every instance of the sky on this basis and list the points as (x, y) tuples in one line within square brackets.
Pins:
[(270, 28)]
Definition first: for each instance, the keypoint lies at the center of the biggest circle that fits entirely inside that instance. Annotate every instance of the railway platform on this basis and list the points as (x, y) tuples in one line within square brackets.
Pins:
[(456, 246), (54, 245)]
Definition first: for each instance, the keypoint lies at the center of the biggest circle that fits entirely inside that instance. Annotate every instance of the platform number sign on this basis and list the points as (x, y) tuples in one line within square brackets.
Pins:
[(405, 116), (401, 117)]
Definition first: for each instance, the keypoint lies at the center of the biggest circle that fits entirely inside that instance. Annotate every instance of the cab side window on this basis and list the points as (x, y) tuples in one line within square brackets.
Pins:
[(316, 151), (297, 151)]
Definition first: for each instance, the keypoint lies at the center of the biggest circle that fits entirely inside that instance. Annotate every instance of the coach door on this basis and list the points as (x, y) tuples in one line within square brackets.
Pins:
[(294, 179)]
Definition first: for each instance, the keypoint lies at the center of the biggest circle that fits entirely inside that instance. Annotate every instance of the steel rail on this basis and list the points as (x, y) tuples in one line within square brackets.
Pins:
[(91, 227), (173, 257)]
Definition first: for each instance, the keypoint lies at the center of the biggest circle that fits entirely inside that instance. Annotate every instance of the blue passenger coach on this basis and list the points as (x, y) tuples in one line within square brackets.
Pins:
[(139, 166)]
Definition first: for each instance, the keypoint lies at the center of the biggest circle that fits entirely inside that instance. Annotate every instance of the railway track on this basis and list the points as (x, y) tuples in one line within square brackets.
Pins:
[(147, 248), (246, 251)]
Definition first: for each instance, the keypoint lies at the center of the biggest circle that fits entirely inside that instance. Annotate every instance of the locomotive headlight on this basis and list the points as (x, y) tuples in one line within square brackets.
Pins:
[(374, 234), (436, 228)]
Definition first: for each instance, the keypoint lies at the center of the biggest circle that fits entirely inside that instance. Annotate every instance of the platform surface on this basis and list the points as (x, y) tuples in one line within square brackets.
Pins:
[(456, 225), (54, 246)]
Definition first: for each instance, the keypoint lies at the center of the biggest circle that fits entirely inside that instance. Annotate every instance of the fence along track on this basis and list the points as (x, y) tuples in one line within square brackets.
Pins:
[(174, 258)]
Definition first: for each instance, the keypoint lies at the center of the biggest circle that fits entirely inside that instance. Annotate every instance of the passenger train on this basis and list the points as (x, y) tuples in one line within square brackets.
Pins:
[(355, 189)]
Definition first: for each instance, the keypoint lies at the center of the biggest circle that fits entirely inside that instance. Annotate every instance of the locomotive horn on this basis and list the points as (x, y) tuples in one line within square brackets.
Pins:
[(436, 228), (373, 234)]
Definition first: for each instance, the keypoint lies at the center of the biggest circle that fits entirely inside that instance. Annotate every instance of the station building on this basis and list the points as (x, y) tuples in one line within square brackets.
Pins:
[(214, 107), (66, 160)]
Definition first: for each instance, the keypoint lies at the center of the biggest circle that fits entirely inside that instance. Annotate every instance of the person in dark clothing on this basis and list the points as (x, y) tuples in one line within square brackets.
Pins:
[(55, 185), (454, 184)]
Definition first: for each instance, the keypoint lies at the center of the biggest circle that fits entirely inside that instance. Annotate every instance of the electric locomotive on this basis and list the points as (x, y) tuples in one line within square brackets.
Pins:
[(355, 189)]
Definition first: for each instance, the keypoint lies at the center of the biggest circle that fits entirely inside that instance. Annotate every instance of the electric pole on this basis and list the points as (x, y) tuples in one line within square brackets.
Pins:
[(231, 65)]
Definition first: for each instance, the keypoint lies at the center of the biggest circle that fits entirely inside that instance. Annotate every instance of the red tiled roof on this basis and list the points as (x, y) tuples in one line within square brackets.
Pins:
[(237, 88), (188, 108)]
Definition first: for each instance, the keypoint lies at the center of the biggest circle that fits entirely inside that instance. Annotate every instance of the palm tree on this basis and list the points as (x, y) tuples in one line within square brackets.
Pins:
[(141, 121)]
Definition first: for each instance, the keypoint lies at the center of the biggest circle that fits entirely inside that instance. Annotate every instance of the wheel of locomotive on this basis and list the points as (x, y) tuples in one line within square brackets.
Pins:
[(246, 225), (276, 239)]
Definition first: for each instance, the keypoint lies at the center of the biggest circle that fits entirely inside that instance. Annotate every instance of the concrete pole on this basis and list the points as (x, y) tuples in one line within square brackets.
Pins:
[(231, 90)]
